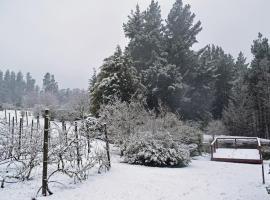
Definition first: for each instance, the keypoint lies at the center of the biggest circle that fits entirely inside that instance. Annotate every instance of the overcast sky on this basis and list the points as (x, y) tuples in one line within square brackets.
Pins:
[(71, 37)]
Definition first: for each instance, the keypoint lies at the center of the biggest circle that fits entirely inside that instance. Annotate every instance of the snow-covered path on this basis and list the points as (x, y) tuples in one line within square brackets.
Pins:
[(203, 180)]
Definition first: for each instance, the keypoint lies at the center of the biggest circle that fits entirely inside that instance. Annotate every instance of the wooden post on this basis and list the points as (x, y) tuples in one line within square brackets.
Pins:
[(235, 143), (107, 146), (20, 138), (32, 127), (5, 114), (212, 153), (77, 144), (88, 140), (38, 122), (16, 118), (9, 121), (263, 178), (12, 138), (45, 154), (64, 128), (26, 118)]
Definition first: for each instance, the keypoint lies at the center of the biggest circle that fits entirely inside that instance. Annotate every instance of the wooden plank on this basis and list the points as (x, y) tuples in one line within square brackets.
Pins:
[(233, 160)]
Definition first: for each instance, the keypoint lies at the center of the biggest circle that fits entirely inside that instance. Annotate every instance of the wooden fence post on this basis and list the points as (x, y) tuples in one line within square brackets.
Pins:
[(16, 118), (107, 146), (32, 127), (6, 114), (20, 138), (12, 138), (77, 145), (26, 118), (9, 121), (38, 122), (88, 140), (263, 178), (45, 154), (64, 129)]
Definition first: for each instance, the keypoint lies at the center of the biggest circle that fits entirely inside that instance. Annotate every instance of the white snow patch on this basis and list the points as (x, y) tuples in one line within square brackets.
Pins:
[(237, 153)]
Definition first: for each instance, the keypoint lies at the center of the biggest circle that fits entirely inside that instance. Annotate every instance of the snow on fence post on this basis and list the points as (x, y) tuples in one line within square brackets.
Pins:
[(107, 146), (45, 155)]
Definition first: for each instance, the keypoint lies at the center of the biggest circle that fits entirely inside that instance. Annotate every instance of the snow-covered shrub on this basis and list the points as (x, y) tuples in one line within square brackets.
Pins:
[(157, 153), (125, 120)]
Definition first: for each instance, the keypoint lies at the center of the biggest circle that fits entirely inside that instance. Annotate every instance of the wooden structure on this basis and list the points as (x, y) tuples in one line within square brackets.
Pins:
[(237, 150)]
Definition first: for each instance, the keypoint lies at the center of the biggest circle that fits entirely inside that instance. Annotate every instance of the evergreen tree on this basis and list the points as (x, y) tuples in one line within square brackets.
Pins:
[(145, 31), (259, 84), (49, 84), (238, 115), (200, 94), (30, 83), (19, 89), (181, 32), (117, 78), (225, 75)]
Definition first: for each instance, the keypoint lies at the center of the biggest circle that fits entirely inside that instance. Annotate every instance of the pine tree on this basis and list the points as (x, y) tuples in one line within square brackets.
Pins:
[(145, 31), (259, 83), (20, 86), (117, 78), (30, 83), (181, 32), (49, 84), (200, 94), (238, 115), (225, 75)]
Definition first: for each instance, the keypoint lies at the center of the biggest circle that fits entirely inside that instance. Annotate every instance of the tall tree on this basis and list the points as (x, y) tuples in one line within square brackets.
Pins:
[(117, 78), (49, 84), (237, 116), (181, 32), (259, 83), (225, 75)]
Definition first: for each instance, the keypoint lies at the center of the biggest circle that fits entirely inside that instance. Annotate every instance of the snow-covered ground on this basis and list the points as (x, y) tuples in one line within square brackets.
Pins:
[(203, 179), (237, 153)]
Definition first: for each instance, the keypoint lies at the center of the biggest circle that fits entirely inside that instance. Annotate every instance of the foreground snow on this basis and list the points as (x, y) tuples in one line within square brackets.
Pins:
[(203, 179)]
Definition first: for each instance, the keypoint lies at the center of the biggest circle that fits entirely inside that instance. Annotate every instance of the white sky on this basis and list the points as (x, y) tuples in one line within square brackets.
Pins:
[(70, 37)]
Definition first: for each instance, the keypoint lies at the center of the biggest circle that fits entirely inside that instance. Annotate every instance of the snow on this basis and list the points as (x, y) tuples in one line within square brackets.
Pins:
[(203, 179), (237, 153)]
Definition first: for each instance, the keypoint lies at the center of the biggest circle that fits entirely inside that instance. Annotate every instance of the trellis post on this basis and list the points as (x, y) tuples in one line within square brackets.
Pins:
[(107, 146), (45, 154)]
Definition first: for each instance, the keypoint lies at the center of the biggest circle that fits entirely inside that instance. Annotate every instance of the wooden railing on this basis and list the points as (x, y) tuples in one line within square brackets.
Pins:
[(215, 145)]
